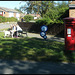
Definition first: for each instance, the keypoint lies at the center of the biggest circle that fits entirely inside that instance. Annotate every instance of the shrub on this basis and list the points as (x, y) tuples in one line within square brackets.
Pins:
[(27, 18), (12, 19), (44, 21), (0, 20), (4, 19)]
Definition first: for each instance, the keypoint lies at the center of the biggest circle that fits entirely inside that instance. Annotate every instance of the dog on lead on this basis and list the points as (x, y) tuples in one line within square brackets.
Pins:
[(8, 33)]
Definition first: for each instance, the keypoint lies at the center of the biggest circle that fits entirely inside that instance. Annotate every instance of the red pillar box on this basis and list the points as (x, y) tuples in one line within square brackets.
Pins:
[(69, 33)]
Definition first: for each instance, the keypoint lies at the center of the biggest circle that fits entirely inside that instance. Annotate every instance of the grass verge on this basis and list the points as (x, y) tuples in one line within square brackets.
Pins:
[(33, 49)]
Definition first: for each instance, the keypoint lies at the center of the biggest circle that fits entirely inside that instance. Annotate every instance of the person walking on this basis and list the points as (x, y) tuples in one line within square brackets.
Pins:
[(22, 20)]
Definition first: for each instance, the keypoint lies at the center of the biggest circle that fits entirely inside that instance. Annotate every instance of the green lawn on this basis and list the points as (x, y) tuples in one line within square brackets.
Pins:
[(33, 49)]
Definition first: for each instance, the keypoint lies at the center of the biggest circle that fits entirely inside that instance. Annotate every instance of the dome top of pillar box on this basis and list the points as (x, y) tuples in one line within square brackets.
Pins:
[(69, 20)]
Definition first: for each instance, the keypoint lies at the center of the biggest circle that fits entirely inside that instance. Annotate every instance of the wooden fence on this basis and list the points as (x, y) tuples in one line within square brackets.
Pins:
[(53, 29)]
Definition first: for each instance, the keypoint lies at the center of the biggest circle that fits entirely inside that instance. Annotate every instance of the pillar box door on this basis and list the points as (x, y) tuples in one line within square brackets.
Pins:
[(69, 41), (69, 33)]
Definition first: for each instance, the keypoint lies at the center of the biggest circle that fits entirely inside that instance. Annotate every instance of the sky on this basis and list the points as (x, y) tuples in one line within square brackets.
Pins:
[(11, 4)]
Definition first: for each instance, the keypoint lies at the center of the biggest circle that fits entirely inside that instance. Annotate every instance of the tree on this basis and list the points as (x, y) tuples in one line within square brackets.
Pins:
[(40, 7), (69, 2), (18, 10), (28, 6), (58, 12)]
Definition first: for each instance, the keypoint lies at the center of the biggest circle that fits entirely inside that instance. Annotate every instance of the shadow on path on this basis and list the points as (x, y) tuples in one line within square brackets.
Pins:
[(31, 67)]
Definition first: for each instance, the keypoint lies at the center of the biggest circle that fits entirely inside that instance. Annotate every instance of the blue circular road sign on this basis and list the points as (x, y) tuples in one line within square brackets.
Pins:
[(42, 34), (44, 28)]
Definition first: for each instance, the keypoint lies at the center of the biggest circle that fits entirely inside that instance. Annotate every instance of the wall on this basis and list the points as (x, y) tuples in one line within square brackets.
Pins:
[(15, 15), (6, 14), (1, 13), (71, 12)]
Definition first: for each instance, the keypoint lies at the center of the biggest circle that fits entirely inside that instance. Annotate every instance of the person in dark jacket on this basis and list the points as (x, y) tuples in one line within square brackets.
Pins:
[(22, 20)]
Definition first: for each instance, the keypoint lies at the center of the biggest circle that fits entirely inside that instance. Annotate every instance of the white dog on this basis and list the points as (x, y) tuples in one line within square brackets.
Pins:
[(8, 33)]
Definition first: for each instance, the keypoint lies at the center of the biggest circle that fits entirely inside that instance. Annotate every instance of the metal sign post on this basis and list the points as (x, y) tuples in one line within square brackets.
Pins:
[(44, 28)]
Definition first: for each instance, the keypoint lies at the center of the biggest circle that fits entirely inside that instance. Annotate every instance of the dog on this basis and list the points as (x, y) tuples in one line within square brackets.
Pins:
[(8, 33)]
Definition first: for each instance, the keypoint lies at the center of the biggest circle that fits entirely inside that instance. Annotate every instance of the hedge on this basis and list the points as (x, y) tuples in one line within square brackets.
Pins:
[(4, 19), (27, 18)]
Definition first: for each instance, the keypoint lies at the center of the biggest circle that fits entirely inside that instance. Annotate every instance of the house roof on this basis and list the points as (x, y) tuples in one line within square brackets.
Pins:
[(7, 9)]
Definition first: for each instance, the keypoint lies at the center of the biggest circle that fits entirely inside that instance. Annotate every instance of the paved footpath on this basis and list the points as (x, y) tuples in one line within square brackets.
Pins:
[(32, 67), (50, 37)]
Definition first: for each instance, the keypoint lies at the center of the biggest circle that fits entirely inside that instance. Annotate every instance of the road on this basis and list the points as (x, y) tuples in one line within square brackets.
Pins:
[(6, 25), (33, 67)]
